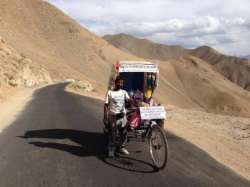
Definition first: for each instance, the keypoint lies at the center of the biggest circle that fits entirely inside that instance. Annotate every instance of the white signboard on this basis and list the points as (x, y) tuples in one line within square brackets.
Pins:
[(150, 68), (154, 112)]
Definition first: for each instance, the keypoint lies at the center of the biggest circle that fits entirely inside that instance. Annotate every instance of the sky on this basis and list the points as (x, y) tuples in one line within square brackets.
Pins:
[(221, 24)]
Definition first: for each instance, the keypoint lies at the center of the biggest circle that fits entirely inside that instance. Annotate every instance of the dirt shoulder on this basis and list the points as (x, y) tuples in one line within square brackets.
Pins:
[(12, 102), (225, 138)]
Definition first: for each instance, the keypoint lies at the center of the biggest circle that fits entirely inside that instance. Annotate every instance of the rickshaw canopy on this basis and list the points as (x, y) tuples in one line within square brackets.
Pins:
[(136, 66), (140, 79)]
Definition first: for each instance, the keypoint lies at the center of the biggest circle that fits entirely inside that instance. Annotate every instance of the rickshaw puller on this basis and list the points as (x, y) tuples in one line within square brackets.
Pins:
[(115, 113)]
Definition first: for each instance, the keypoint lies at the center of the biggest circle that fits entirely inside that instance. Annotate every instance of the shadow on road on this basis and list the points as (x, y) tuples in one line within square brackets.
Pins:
[(82, 124), (89, 144)]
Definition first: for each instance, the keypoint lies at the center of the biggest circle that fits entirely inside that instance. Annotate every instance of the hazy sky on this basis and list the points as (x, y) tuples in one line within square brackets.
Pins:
[(222, 24)]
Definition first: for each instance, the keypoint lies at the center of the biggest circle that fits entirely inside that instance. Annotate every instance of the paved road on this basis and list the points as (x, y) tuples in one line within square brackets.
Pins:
[(57, 141)]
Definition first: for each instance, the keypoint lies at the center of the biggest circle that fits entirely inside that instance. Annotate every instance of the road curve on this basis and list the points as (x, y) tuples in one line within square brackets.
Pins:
[(57, 140)]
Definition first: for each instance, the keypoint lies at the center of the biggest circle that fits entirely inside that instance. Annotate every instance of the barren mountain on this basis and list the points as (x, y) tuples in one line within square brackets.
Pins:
[(233, 68), (145, 48)]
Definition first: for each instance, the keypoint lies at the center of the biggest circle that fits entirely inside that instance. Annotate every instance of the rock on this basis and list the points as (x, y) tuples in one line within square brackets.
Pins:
[(82, 86), (70, 80)]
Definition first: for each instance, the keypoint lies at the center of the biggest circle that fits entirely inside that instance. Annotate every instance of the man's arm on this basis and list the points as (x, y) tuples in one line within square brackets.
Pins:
[(106, 104), (105, 117), (128, 100)]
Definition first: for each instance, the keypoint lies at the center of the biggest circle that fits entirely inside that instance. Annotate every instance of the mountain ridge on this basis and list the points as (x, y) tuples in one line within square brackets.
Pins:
[(145, 48)]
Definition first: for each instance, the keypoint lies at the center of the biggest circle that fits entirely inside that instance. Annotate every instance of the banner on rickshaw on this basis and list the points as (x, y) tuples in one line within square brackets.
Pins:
[(154, 112), (150, 68)]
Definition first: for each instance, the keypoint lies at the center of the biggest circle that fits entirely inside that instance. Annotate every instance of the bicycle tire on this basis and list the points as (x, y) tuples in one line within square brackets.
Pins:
[(155, 146)]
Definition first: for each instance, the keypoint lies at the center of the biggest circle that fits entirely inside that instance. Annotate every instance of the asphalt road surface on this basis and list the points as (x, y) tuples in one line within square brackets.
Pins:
[(58, 141)]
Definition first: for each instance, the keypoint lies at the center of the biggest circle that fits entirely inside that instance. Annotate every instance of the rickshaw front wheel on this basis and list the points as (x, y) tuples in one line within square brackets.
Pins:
[(158, 147)]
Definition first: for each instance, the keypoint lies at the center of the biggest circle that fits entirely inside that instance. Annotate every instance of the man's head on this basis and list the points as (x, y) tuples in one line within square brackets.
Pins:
[(118, 83)]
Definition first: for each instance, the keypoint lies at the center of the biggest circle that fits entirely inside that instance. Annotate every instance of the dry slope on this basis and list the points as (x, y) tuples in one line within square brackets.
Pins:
[(191, 82), (233, 68), (16, 70)]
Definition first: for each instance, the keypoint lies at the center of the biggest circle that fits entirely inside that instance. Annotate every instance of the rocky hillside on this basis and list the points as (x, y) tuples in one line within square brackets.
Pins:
[(60, 44), (191, 82), (19, 71)]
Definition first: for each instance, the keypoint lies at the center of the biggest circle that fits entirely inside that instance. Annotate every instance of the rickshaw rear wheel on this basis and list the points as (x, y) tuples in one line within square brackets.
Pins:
[(158, 147)]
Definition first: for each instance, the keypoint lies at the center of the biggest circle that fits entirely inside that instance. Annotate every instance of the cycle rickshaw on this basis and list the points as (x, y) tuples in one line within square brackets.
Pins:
[(145, 118)]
